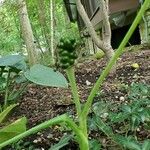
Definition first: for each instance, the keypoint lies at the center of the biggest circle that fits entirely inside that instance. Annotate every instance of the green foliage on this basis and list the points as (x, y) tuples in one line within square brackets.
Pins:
[(129, 117), (13, 129), (46, 76), (5, 112), (9, 32), (11, 67), (63, 142), (20, 145), (139, 91), (95, 145), (14, 61), (80, 128)]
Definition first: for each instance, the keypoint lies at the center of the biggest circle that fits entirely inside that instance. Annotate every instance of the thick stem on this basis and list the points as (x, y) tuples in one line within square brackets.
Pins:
[(82, 139), (71, 76), (112, 61), (83, 125)]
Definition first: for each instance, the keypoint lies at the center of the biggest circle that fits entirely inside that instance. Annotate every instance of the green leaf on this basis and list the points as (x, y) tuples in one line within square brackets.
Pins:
[(118, 117), (2, 80), (63, 142), (126, 108), (128, 142), (13, 129), (94, 145), (10, 60), (6, 112), (46, 76), (2, 83), (146, 145), (103, 126), (21, 65)]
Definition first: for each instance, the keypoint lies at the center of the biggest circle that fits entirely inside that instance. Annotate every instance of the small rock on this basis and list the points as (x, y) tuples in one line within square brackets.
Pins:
[(135, 76), (121, 98), (56, 139), (50, 136), (35, 141), (135, 66), (39, 140), (116, 97), (88, 82), (39, 133)]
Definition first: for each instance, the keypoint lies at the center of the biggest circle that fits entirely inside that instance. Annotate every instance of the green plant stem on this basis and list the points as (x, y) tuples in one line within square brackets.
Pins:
[(112, 61), (71, 76), (82, 123), (7, 90), (35, 129), (83, 141)]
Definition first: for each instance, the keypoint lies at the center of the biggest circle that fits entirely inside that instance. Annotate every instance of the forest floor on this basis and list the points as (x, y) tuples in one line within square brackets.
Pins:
[(40, 103)]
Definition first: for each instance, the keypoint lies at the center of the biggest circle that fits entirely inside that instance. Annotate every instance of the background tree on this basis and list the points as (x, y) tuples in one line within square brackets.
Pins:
[(105, 43), (27, 32)]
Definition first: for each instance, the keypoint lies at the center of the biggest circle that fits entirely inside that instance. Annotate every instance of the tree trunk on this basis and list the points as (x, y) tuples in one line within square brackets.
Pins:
[(43, 23), (52, 30), (145, 28), (27, 33), (105, 45)]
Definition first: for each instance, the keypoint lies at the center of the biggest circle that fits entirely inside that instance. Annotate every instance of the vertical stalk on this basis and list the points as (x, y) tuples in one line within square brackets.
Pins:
[(81, 138), (82, 121), (52, 31), (7, 89), (71, 76), (112, 61)]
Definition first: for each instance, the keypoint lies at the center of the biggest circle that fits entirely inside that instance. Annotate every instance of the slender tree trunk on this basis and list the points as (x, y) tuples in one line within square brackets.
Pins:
[(27, 33), (42, 20), (52, 30), (104, 44)]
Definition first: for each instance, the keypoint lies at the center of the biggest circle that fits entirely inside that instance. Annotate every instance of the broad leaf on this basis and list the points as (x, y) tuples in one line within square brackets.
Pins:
[(10, 60), (13, 129), (63, 142), (6, 112), (21, 65), (146, 145), (46, 76)]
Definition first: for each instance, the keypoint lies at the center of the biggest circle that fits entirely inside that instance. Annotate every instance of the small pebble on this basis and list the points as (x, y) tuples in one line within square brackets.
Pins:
[(121, 98), (88, 82), (35, 141)]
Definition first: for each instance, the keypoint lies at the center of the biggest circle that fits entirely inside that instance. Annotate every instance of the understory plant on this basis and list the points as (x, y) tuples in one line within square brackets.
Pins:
[(11, 74), (9, 130), (122, 124), (79, 125)]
